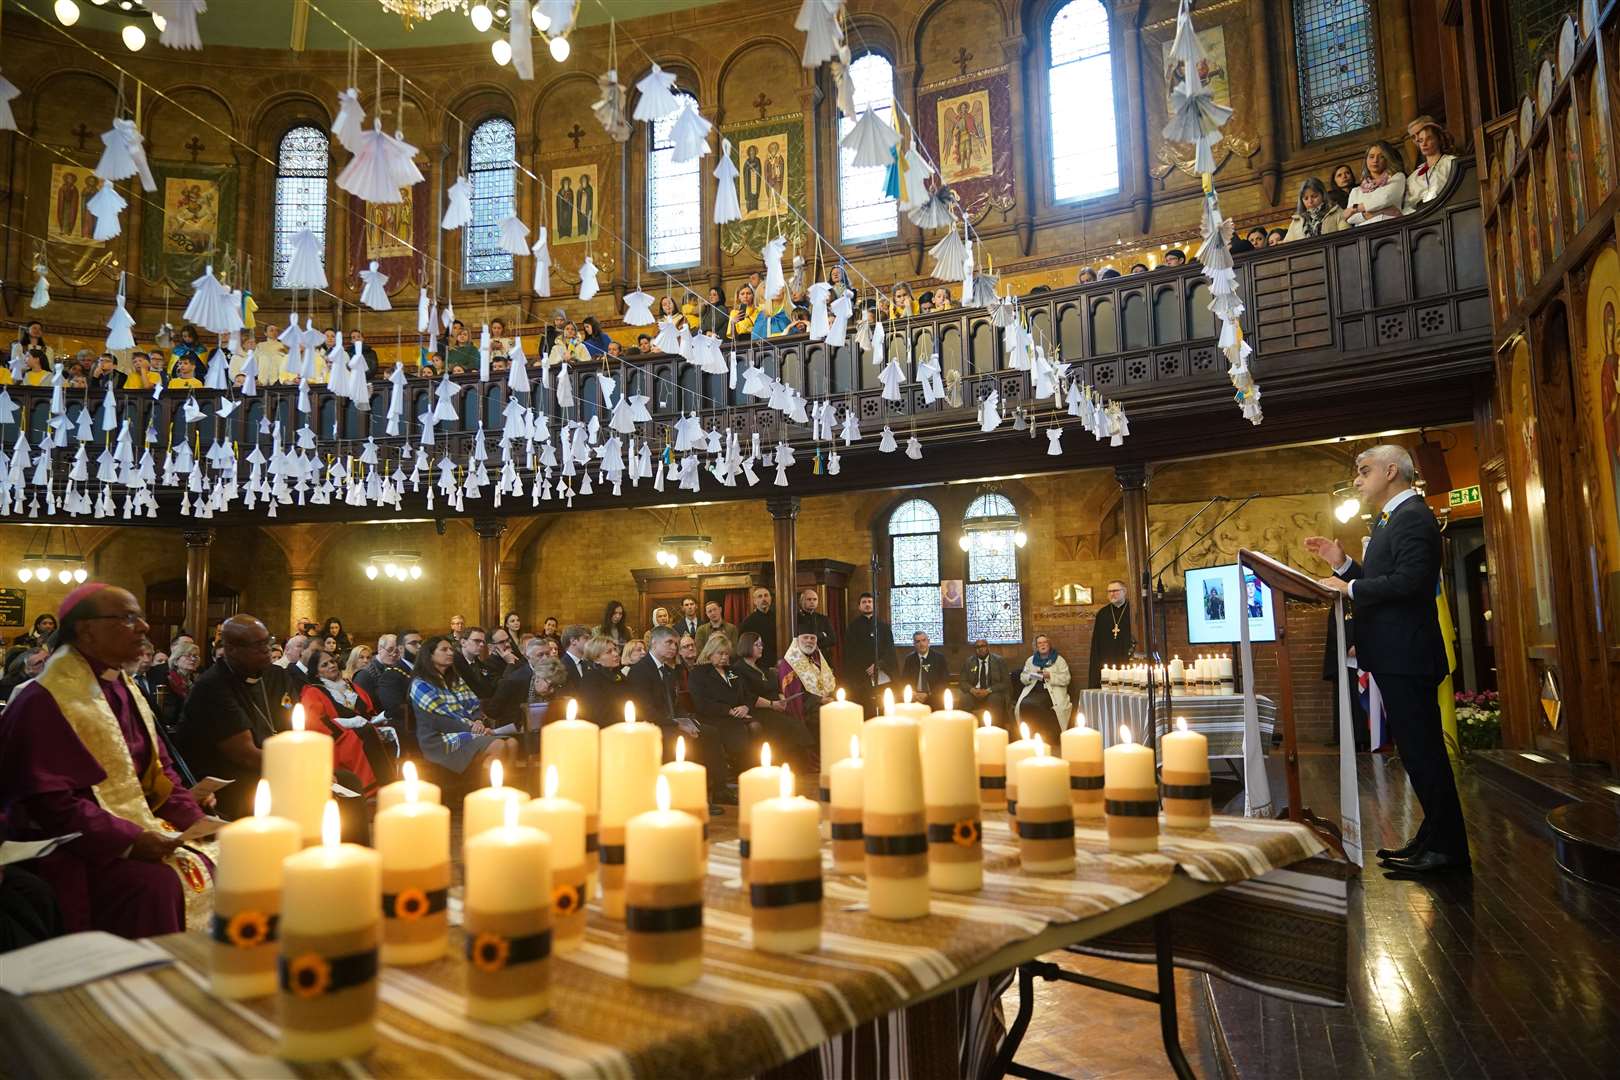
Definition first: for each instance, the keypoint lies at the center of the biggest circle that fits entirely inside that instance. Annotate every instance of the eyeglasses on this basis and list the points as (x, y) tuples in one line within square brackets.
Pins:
[(130, 619)]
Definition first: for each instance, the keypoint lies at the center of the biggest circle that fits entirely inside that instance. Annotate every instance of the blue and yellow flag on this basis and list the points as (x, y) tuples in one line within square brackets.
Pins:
[(1448, 698)]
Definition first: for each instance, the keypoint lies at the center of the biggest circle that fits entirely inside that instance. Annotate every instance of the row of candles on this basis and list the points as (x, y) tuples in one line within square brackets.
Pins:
[(1201, 671), (302, 915)]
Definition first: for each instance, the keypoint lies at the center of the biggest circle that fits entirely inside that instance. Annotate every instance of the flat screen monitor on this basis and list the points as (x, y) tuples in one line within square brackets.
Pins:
[(1213, 594)]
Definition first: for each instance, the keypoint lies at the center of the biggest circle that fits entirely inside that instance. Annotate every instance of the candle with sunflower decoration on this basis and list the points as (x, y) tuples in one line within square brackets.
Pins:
[(331, 912), (247, 900), (951, 800), (784, 884), (1045, 824), (507, 920), (413, 839), (563, 822)]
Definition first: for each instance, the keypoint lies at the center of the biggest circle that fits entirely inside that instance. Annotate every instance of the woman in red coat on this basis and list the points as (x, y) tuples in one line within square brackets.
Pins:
[(336, 706)]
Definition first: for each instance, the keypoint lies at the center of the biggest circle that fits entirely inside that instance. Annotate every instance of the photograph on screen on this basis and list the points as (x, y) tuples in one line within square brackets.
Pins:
[(1213, 596)]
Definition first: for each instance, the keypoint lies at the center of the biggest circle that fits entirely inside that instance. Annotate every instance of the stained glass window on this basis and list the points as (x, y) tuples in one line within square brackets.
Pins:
[(914, 569), (865, 211), (302, 161), (674, 202), (492, 173), (1080, 103), (995, 608), (1336, 52)]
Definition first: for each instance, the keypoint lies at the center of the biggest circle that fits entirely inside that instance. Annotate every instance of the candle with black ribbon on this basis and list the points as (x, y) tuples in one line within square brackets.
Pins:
[(1083, 749), (507, 921), (688, 788), (331, 909), (753, 786), (1045, 823), (951, 800), (893, 821), (1017, 750), (247, 900), (631, 753), (844, 813), (991, 743), (663, 889), (784, 885), (573, 746), (1130, 795), (1184, 780), (839, 721), (413, 841)]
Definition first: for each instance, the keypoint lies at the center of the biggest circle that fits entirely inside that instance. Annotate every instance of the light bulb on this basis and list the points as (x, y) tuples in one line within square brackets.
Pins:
[(964, 542), (1020, 538), (416, 573), (502, 50), (64, 576), (67, 12), (371, 572), (134, 38), (1347, 510), (560, 49), (542, 21), (25, 575), (500, 12), (79, 575), (482, 17), (160, 22)]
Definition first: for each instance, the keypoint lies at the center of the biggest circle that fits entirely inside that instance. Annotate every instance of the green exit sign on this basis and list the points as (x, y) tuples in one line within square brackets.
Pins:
[(1468, 496)]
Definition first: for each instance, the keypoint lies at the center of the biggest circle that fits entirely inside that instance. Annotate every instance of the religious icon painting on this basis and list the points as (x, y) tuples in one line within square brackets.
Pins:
[(388, 229), (771, 183), (950, 593), (764, 171), (965, 125), (575, 204), (966, 146), (1598, 395), (72, 187)]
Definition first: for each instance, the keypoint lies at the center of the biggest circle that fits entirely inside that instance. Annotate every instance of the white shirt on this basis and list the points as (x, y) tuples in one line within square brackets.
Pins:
[(1389, 508)]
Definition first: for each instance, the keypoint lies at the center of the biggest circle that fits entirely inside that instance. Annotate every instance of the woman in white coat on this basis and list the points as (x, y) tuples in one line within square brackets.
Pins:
[(1044, 702), (1382, 191)]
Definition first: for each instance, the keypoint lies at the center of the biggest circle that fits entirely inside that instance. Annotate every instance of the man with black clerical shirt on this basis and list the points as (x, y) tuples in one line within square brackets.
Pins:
[(869, 657), (235, 705), (760, 621), (1111, 640), (809, 616)]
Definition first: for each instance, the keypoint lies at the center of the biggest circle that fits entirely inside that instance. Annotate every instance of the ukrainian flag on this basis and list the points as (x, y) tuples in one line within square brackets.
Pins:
[(1448, 699)]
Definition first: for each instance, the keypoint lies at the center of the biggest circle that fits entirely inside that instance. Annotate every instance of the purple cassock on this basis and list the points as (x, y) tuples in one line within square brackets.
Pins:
[(46, 777)]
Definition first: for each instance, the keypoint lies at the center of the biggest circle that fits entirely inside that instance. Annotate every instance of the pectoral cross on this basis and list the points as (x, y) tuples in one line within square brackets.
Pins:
[(196, 147), (961, 60), (576, 134), (1116, 630), (762, 103)]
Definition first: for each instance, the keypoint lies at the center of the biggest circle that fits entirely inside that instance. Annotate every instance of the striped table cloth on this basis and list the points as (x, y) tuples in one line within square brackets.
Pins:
[(1218, 717), (750, 1013)]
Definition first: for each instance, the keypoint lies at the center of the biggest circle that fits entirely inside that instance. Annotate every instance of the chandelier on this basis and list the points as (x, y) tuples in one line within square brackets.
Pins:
[(698, 544), (396, 566), (52, 553), (415, 11)]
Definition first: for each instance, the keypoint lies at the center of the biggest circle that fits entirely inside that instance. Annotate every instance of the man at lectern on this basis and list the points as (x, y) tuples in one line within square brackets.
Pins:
[(1398, 640)]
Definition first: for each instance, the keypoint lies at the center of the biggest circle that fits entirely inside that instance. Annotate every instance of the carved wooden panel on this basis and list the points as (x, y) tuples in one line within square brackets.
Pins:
[(1290, 308), (1134, 316)]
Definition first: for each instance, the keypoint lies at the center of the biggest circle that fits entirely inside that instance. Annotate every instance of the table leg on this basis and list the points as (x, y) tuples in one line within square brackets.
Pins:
[(1168, 1026)]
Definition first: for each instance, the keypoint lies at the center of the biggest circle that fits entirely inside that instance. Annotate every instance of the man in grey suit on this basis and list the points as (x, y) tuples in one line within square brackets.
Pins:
[(987, 682)]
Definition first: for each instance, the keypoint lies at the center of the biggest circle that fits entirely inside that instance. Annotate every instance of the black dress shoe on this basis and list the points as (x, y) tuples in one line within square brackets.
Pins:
[(1409, 849), (1430, 862)]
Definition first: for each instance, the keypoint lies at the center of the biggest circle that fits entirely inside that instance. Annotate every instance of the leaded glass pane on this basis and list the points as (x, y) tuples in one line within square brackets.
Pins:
[(865, 211), (302, 161), (992, 556), (1080, 104), (994, 612), (916, 560), (990, 505), (493, 176), (1337, 57), (916, 516), (916, 607), (674, 203)]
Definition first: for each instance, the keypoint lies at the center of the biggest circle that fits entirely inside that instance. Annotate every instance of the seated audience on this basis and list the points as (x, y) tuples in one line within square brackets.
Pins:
[(569, 349), (715, 318), (477, 668), (554, 331), (80, 753), (463, 352), (634, 650), (942, 298), (601, 689), (386, 681), (184, 661), (500, 344), (1087, 276), (1044, 702), (1340, 185), (715, 623), (1275, 236), (661, 617), (806, 678), (1382, 191), (986, 682), (1433, 173), (925, 670), (450, 724), (652, 683), (595, 340), (512, 691), (644, 345), (333, 704), (1314, 214), (36, 368), (332, 630), (722, 703), (27, 664), (613, 624)]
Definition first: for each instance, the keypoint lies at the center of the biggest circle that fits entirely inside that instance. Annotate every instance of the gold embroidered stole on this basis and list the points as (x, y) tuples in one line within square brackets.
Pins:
[(72, 684)]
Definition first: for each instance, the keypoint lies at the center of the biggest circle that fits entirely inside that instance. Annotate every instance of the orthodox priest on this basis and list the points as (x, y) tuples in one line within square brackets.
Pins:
[(80, 753), (1111, 640)]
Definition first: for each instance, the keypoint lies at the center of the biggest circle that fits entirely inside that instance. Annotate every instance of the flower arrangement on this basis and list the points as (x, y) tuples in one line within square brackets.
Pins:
[(1479, 720)]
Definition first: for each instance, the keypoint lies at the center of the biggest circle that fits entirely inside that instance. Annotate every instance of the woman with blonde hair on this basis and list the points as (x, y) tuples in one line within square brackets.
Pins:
[(1382, 191)]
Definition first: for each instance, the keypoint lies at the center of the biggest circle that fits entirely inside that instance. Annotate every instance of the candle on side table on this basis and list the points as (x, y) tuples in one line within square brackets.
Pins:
[(631, 754), (507, 920), (413, 841), (247, 900), (1184, 779), (893, 823), (573, 746), (330, 914), (1045, 815), (1130, 795), (298, 764), (1083, 749), (844, 815), (784, 886), (663, 912), (951, 800), (991, 745), (753, 785), (840, 721)]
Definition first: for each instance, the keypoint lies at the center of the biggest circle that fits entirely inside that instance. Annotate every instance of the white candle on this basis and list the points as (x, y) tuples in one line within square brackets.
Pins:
[(1226, 667), (907, 708), (1045, 815), (848, 790), (991, 746), (330, 910), (840, 720), (563, 822), (893, 820), (951, 800), (485, 808), (413, 840), (298, 764), (1185, 778), (1132, 795), (785, 876), (247, 900), (664, 875), (507, 919), (1177, 670), (394, 794), (573, 746), (631, 753), (1083, 749), (1017, 751), (688, 787), (753, 785)]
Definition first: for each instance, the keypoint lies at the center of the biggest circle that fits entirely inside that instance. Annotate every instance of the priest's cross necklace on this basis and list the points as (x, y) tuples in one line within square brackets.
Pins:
[(1115, 612)]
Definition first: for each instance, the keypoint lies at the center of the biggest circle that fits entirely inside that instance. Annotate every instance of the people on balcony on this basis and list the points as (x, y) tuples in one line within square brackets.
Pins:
[(141, 376), (596, 342), (744, 315), (463, 353), (1381, 195), (500, 344), (1086, 277), (690, 309), (188, 345), (715, 318), (33, 337), (903, 303), (1433, 173), (1314, 214), (569, 348), (272, 356), (1340, 185), (36, 367), (1175, 257), (185, 374)]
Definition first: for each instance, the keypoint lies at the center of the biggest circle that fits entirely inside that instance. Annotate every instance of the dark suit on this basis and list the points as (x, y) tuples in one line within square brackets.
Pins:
[(685, 626), (926, 676), (602, 693), (653, 687), (806, 621), (574, 668), (868, 640), (1106, 646), (511, 695), (986, 673), (1398, 640), (223, 703), (483, 674)]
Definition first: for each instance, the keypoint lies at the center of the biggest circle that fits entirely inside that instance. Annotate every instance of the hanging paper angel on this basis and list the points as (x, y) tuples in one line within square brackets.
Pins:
[(514, 236), (914, 170), (609, 107), (935, 211), (105, 205), (843, 84), (871, 139), (841, 308), (638, 309), (370, 173), (123, 155), (42, 286), (726, 206), (180, 22), (520, 36), (211, 306), (822, 32), (458, 207), (587, 279), (8, 94), (306, 269), (892, 377), (950, 255), (914, 449), (689, 134), (401, 160), (542, 262), (1195, 117), (658, 99), (989, 415), (818, 293), (775, 281), (375, 293), (350, 126), (120, 323)]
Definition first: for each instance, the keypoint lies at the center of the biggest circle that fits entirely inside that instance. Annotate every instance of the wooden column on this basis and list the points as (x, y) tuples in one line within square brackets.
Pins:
[(489, 532), (198, 542), (1133, 482), (785, 561)]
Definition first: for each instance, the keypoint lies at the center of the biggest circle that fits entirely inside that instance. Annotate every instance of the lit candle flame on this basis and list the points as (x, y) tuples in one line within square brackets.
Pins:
[(888, 702), (987, 722), (495, 773), (1125, 734), (855, 747), (552, 782), (765, 755), (298, 717), (261, 799), (331, 825), (947, 701), (409, 772), (1181, 723), (786, 787), (1079, 718), (573, 709), (906, 693), (840, 694), (1040, 746), (680, 748), (663, 793), (1023, 730), (510, 810), (629, 712)]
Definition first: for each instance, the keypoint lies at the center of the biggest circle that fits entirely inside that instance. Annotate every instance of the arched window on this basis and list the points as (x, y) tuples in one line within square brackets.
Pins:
[(995, 611), (1336, 53), (1080, 103), (914, 571), (302, 161), (865, 212), (492, 172), (674, 202)]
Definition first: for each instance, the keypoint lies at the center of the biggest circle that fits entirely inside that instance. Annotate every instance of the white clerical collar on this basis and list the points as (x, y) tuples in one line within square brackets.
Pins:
[(1389, 507)]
